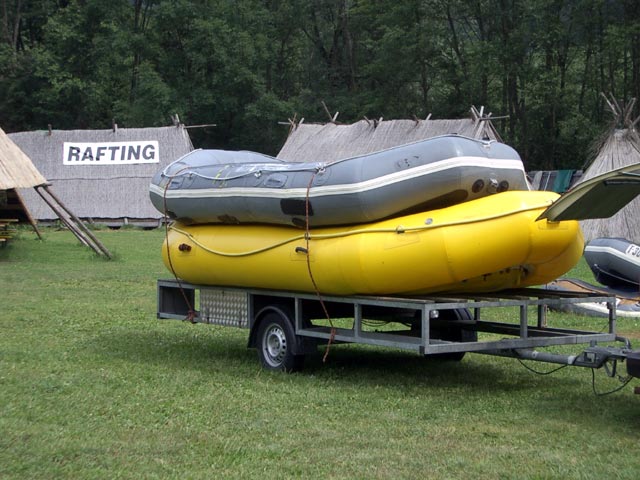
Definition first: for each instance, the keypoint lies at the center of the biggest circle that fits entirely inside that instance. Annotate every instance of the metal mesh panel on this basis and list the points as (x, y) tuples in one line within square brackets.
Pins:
[(223, 307)]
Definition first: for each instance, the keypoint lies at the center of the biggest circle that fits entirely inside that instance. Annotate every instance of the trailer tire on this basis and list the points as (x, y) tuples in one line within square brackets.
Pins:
[(275, 343), (453, 334)]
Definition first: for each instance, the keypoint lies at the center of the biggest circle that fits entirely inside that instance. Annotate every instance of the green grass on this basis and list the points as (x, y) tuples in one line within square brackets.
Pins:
[(93, 386)]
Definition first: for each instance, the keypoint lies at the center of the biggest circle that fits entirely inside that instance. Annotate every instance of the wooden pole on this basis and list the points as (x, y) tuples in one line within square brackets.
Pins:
[(63, 219), (80, 224), (628, 112), (79, 228)]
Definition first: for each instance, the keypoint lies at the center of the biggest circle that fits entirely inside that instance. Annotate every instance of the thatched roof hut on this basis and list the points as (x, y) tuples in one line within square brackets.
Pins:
[(102, 175), (331, 141), (16, 169), (621, 147)]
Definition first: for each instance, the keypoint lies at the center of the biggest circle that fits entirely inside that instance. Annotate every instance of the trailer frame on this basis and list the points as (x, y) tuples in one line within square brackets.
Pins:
[(443, 326)]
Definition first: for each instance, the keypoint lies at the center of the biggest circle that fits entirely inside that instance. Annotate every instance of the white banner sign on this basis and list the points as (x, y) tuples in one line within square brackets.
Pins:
[(110, 153)]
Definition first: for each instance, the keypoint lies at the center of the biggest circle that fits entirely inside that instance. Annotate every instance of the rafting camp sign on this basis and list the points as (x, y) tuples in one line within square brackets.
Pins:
[(110, 153)]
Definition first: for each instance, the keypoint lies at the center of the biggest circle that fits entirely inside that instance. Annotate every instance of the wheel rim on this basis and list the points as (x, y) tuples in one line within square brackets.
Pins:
[(274, 345)]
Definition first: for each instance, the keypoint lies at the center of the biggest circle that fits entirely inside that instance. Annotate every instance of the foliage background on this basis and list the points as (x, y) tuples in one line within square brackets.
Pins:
[(245, 65)]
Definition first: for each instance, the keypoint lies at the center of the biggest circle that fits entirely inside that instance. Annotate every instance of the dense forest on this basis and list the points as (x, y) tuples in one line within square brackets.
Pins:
[(246, 65)]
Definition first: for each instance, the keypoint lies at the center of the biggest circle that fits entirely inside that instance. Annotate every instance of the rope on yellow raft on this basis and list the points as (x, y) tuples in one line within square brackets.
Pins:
[(307, 236), (191, 313)]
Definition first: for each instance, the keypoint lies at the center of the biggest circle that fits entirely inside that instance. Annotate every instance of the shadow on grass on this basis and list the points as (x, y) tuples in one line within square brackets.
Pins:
[(474, 383), (202, 351)]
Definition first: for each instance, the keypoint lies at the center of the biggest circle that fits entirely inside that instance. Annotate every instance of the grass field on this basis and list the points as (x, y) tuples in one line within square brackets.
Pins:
[(93, 386)]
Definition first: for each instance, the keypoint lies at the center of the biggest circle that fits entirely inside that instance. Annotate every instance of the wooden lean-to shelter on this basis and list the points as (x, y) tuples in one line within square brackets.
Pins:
[(312, 142), (17, 171), (619, 148), (16, 168)]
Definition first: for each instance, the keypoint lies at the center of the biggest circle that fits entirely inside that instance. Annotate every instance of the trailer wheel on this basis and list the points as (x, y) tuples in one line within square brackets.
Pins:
[(453, 334), (276, 340)]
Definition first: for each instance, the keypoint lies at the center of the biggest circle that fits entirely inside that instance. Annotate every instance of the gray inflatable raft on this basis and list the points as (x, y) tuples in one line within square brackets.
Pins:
[(218, 186)]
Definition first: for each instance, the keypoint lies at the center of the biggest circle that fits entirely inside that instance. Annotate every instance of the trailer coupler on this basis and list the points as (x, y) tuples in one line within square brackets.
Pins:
[(591, 357)]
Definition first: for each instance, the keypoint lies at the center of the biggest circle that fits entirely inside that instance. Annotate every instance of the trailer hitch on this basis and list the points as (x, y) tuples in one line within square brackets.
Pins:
[(633, 365), (594, 357), (591, 357)]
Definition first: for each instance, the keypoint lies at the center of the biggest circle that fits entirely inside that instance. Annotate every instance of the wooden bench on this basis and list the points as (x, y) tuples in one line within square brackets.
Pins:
[(7, 229)]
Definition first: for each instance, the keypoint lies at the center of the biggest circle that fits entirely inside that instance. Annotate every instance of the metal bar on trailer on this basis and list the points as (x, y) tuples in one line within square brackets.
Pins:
[(251, 310), (533, 355), (440, 346), (382, 339), (513, 329), (523, 321), (357, 321), (612, 316), (298, 314), (170, 305), (425, 328), (542, 316), (229, 306)]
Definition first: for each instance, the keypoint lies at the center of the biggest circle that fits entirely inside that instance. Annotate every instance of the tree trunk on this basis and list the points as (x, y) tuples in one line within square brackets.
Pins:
[(11, 23)]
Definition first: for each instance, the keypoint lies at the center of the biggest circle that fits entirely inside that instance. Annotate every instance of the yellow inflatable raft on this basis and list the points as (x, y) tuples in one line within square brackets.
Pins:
[(483, 245)]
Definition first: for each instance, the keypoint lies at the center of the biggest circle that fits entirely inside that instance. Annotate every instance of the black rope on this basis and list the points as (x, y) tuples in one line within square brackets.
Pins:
[(625, 381), (537, 372)]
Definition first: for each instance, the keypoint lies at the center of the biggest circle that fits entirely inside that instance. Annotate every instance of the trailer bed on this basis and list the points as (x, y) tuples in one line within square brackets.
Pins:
[(285, 326), (239, 307)]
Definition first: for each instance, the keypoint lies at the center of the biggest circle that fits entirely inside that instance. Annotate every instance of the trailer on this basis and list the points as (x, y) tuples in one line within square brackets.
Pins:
[(285, 326)]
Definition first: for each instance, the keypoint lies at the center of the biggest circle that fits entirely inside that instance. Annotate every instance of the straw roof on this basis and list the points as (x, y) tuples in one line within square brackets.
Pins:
[(16, 169), (330, 142), (115, 192), (620, 148)]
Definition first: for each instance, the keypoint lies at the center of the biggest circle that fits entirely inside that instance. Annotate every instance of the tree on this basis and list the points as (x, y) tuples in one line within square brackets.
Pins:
[(245, 65)]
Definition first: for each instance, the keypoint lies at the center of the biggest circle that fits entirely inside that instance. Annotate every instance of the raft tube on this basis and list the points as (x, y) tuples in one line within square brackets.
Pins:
[(490, 244), (614, 262), (217, 186)]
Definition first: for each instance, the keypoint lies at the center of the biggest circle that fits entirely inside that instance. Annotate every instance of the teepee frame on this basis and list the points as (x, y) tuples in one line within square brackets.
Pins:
[(619, 147)]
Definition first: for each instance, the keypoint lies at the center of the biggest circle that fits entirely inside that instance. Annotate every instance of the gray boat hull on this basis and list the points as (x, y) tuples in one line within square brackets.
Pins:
[(217, 186), (614, 262)]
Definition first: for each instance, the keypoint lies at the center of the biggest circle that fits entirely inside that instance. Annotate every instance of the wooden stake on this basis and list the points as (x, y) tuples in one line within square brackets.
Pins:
[(74, 224), (628, 112)]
